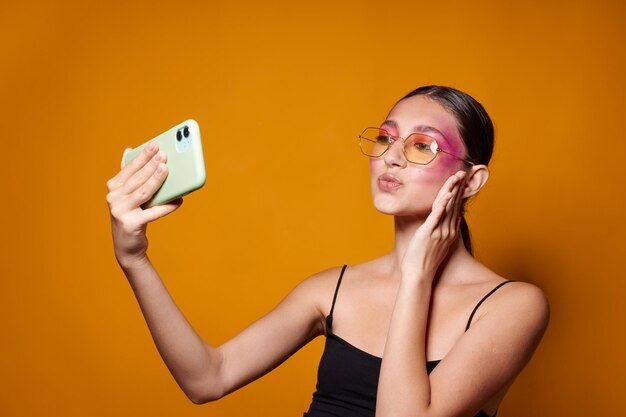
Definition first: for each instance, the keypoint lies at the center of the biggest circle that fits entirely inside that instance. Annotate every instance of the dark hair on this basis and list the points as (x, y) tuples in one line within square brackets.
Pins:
[(475, 127)]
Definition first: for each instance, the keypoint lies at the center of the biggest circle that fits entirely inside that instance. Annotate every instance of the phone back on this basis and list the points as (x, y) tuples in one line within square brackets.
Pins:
[(185, 162)]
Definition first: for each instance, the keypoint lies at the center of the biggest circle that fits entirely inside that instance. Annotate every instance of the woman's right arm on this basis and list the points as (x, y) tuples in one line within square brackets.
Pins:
[(203, 372)]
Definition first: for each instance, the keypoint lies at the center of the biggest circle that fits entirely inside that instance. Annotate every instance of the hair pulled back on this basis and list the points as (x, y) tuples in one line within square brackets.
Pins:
[(475, 128)]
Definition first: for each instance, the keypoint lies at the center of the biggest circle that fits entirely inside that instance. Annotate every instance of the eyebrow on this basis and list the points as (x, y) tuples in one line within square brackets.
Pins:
[(416, 129)]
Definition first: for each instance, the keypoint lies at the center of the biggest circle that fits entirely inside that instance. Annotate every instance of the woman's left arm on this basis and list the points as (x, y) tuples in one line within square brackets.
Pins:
[(484, 360)]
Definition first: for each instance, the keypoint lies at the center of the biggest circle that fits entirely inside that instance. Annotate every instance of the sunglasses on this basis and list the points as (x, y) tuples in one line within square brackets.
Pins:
[(418, 148)]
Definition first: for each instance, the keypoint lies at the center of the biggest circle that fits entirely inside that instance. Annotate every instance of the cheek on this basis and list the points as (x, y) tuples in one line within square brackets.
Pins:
[(377, 165), (436, 173), (427, 180), (448, 164)]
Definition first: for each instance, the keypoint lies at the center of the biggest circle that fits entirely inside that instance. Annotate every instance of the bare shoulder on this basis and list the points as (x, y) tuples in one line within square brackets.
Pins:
[(528, 294), (514, 298), (506, 330), (318, 288), (321, 282), (503, 336), (521, 304), (524, 297)]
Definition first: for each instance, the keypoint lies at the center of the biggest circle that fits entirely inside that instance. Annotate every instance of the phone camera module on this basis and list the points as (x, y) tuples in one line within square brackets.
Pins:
[(179, 136), (186, 132)]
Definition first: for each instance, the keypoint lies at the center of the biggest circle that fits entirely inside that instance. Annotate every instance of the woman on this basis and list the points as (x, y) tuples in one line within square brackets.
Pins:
[(453, 334)]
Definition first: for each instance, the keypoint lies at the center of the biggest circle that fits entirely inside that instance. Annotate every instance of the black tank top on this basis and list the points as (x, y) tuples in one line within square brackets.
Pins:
[(347, 377)]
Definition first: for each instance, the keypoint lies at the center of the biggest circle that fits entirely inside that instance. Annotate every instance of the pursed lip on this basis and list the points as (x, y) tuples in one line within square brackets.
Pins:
[(388, 181)]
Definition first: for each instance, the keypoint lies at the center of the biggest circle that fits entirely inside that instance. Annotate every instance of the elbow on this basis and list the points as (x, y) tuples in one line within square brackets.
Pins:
[(205, 386), (200, 398), (200, 393)]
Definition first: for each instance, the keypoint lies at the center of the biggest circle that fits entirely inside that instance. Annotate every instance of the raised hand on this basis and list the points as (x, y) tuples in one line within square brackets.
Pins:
[(135, 184), (432, 240)]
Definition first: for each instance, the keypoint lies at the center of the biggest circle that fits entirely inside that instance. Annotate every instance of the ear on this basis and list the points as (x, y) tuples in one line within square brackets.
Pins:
[(477, 176)]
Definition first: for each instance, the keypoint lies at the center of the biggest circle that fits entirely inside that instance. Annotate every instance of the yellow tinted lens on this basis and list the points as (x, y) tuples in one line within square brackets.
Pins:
[(374, 142), (418, 149)]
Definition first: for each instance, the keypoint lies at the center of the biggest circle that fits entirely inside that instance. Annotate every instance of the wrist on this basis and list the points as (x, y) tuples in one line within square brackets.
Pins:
[(133, 263), (420, 278)]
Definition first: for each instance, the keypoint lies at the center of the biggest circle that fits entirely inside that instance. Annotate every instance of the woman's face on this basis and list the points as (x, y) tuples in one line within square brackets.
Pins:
[(406, 189)]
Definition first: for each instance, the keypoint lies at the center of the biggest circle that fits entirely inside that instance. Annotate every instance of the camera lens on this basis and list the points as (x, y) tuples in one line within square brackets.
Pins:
[(179, 136), (186, 132)]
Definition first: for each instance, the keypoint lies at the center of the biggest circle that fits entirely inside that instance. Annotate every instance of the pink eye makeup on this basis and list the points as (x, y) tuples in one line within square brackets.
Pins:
[(418, 148)]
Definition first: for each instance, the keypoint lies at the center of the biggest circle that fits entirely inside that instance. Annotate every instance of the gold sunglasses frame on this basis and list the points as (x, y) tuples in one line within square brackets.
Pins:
[(403, 140)]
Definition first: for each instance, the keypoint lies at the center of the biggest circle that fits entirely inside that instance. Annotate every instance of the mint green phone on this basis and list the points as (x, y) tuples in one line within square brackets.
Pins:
[(185, 162)]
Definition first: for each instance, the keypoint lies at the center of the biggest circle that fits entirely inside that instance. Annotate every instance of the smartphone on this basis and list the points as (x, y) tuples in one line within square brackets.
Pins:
[(185, 162)]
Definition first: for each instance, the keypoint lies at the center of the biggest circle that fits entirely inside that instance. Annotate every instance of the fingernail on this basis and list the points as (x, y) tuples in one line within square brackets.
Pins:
[(160, 168), (152, 146)]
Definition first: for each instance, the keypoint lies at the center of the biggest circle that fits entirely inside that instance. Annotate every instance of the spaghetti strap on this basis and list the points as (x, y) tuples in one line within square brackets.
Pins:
[(329, 318), (481, 301)]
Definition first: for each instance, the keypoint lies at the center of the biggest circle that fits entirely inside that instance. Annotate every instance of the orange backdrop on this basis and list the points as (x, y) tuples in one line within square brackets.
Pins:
[(282, 90)]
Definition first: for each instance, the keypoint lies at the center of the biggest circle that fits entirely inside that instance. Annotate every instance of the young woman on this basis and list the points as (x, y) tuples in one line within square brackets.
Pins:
[(424, 330)]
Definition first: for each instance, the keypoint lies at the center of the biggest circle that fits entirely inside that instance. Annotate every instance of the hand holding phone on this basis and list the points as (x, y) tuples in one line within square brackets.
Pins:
[(135, 187), (185, 162)]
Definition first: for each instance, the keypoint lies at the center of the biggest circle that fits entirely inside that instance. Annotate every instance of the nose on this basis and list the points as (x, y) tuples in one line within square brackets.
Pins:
[(395, 154)]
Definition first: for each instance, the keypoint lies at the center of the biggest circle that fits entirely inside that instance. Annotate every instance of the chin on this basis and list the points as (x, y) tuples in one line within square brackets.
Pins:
[(392, 206)]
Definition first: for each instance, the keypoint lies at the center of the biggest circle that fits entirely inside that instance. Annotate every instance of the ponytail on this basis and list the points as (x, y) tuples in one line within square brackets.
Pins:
[(465, 234)]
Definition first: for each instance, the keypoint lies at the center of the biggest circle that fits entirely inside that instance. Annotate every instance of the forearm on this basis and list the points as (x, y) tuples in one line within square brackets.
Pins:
[(193, 363), (404, 387)]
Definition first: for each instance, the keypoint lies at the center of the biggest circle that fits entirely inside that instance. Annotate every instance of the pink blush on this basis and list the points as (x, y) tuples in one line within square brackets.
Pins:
[(452, 143)]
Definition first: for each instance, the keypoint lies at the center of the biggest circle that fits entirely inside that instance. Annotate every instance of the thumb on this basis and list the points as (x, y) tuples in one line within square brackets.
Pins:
[(162, 210)]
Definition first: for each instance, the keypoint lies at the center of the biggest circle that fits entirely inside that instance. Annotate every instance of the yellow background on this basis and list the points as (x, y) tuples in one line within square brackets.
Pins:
[(280, 91)]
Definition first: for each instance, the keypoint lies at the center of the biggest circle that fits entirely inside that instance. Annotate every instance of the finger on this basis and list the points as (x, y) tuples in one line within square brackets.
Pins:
[(459, 202), (460, 198), (114, 183), (453, 206), (145, 191), (457, 178), (441, 202), (446, 188), (133, 166), (456, 191), (448, 212), (434, 218), (140, 177), (159, 211)]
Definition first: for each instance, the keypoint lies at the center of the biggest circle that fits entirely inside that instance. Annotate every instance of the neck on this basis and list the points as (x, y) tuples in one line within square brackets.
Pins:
[(404, 230)]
